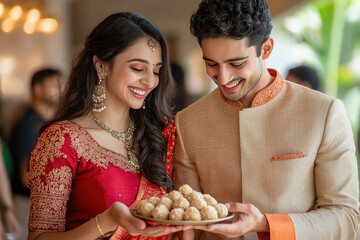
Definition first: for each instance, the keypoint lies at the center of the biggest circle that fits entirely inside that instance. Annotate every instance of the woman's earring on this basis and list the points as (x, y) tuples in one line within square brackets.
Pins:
[(143, 105), (99, 92)]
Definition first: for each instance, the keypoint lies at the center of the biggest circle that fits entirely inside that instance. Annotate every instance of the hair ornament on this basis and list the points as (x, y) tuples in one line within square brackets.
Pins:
[(152, 44)]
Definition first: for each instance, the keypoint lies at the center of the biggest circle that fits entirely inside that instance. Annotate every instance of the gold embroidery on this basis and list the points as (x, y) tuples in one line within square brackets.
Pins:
[(269, 92), (86, 147), (47, 149), (49, 198), (51, 185)]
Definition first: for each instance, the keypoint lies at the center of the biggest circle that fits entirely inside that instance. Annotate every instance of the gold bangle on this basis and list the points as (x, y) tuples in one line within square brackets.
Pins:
[(98, 226)]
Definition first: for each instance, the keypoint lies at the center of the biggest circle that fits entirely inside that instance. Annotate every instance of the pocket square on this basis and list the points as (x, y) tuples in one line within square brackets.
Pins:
[(288, 157)]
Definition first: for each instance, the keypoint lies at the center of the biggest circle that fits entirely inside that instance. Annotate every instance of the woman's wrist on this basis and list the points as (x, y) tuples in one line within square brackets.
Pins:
[(105, 222), (98, 226)]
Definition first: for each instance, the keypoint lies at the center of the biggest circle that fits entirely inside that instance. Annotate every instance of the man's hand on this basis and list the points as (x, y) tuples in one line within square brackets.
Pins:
[(250, 220)]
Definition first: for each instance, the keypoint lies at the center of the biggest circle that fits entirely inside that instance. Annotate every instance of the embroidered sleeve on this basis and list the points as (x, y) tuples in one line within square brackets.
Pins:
[(169, 134), (51, 170)]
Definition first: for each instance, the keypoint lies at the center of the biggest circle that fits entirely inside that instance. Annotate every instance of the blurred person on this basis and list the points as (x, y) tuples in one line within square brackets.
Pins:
[(305, 76), (180, 99), (281, 155), (110, 145), (45, 92), (9, 163), (8, 220)]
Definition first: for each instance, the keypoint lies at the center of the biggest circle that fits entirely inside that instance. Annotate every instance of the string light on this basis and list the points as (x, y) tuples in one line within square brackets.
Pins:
[(47, 25), (29, 27), (33, 15), (8, 25), (30, 19), (1, 9), (15, 13)]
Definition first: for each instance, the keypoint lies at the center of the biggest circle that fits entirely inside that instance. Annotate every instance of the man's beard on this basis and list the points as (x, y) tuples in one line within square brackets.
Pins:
[(246, 92)]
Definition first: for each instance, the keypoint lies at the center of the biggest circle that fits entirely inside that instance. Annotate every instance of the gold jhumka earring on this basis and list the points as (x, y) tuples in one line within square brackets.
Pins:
[(99, 91)]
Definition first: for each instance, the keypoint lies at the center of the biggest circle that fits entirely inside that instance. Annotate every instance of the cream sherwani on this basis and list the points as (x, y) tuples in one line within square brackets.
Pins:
[(291, 153)]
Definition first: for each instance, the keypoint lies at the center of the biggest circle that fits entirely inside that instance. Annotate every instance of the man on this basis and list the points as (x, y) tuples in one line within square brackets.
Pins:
[(282, 155), (305, 76), (45, 90)]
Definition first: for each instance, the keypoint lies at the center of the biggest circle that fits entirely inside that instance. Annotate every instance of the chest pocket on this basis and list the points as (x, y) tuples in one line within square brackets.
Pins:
[(288, 157)]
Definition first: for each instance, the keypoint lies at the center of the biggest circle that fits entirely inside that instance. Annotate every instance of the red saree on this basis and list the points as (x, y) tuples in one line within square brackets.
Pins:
[(73, 178)]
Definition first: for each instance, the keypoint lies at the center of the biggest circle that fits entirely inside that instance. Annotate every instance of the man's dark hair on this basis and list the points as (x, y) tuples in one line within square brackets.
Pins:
[(42, 74), (306, 74), (237, 19)]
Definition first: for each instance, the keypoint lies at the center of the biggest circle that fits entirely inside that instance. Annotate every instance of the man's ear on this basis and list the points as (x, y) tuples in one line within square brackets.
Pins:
[(267, 48)]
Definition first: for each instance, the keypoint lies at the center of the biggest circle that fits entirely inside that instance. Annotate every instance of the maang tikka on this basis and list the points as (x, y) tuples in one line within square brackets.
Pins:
[(99, 91), (152, 44)]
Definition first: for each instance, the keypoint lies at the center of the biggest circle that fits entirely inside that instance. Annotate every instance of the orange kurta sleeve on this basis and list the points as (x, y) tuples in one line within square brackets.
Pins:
[(281, 227)]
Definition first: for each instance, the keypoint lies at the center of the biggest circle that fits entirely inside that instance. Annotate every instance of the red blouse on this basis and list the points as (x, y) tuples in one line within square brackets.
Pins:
[(72, 179)]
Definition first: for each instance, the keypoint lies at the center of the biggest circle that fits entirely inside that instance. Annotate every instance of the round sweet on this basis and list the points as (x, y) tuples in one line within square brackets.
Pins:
[(221, 210), (192, 214), (142, 202), (208, 213), (173, 195), (166, 201), (199, 203), (209, 199), (181, 203), (154, 200), (160, 212), (145, 209), (185, 190), (176, 214), (194, 195)]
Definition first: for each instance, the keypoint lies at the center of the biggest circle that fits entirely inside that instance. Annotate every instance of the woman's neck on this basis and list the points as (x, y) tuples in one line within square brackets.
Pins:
[(118, 121)]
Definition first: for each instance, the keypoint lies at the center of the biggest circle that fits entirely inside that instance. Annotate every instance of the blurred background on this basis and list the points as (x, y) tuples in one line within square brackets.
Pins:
[(36, 34), (322, 34)]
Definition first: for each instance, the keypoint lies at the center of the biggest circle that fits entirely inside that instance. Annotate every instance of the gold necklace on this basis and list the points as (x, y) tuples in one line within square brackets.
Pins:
[(127, 137)]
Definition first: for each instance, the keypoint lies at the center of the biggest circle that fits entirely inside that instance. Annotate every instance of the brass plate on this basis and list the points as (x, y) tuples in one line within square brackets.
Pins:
[(172, 222)]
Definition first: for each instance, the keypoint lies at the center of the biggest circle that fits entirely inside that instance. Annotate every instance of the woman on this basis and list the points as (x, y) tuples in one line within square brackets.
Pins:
[(111, 142)]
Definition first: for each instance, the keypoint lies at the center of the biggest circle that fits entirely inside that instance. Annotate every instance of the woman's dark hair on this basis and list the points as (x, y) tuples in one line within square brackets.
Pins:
[(112, 36), (237, 19)]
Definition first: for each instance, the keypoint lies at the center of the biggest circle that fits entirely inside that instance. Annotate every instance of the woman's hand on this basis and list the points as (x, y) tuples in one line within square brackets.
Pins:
[(250, 220), (121, 216), (116, 215), (10, 222)]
